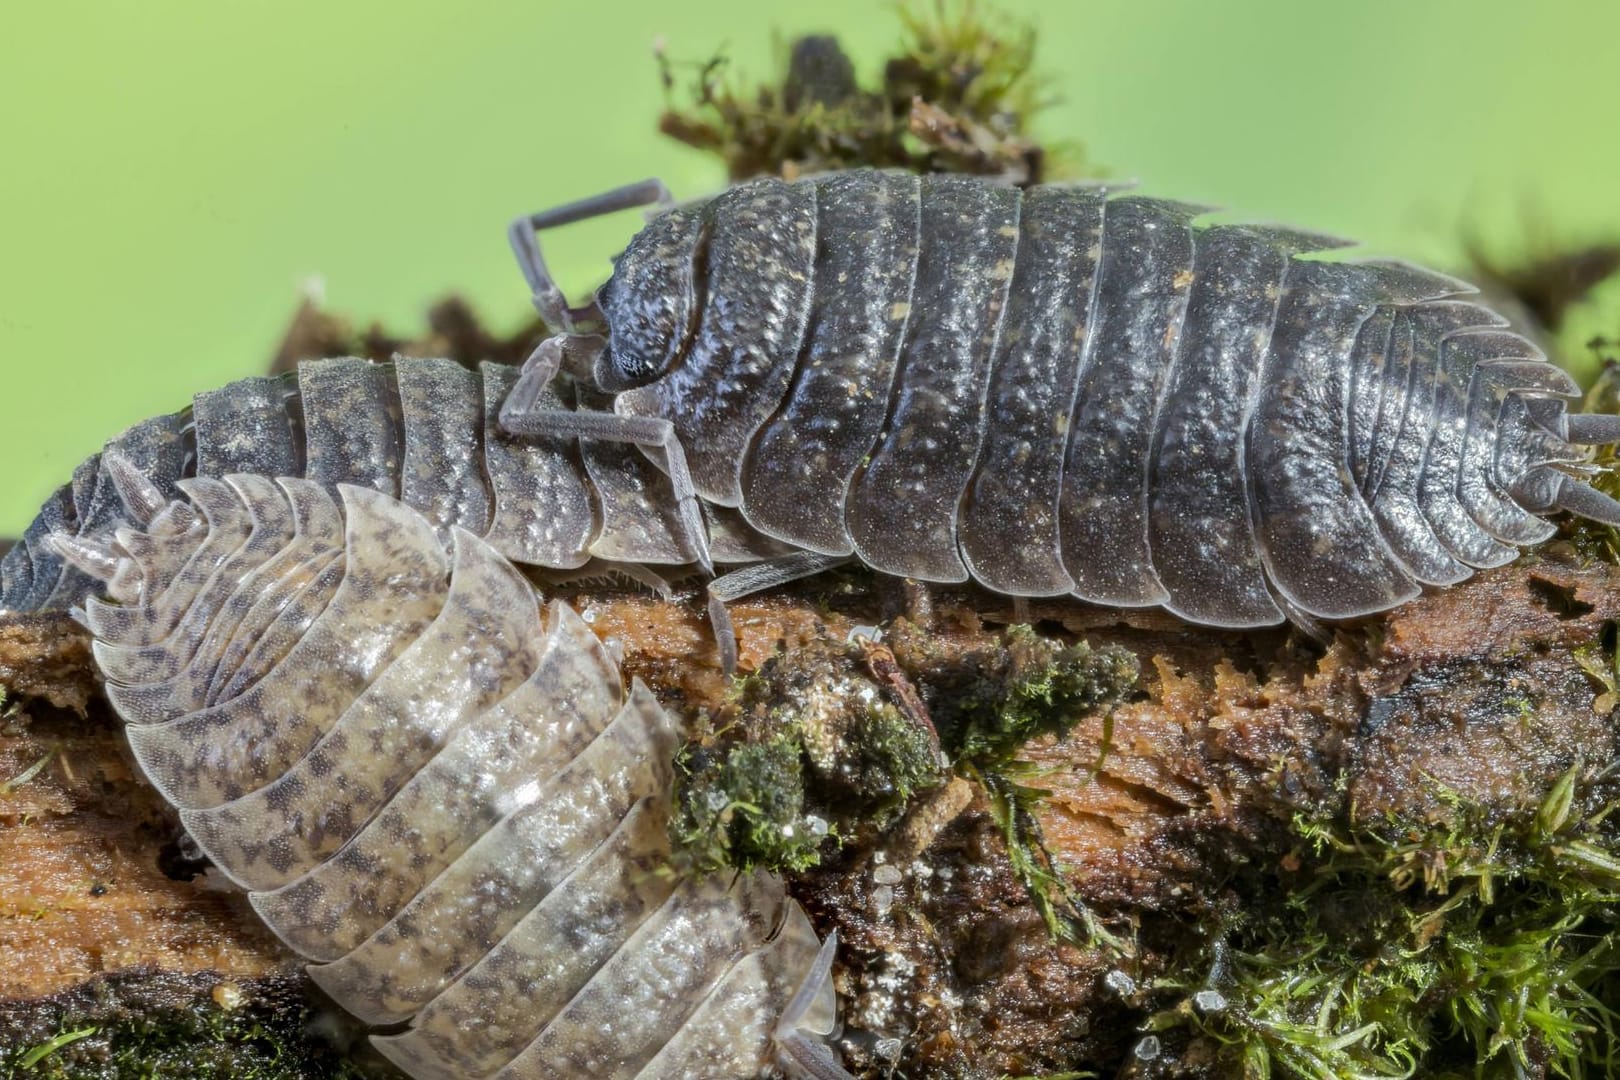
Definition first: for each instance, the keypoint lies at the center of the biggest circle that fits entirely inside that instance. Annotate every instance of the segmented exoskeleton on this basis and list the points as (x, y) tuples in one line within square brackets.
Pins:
[(422, 430), (459, 815), (1065, 391), (1053, 391)]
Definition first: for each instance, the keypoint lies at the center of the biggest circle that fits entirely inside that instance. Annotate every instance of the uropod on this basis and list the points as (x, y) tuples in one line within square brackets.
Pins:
[(1063, 391)]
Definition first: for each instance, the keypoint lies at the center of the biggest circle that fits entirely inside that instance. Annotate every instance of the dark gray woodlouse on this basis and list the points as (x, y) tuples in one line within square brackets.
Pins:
[(421, 430), (459, 816), (1061, 390), (1064, 390)]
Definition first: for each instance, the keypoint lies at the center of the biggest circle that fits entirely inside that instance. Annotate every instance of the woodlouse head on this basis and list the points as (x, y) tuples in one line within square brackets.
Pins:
[(651, 302)]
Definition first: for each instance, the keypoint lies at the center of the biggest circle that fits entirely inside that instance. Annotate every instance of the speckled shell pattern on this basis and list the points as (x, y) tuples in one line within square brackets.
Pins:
[(449, 804), (1067, 390), (421, 430)]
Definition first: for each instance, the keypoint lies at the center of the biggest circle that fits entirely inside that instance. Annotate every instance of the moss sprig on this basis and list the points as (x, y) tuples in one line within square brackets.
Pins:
[(1481, 946)]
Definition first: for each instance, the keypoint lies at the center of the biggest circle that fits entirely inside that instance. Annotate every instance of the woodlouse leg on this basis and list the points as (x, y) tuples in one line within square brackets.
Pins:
[(549, 300), (521, 414), (754, 578)]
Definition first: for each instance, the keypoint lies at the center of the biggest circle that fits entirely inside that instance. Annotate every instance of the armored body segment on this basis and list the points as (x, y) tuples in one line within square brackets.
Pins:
[(759, 256), (442, 468), (466, 911), (1395, 476), (631, 1008), (16, 570), (1204, 554), (270, 531), (274, 835), (265, 609), (45, 567), (351, 425), (499, 1006), (902, 508), (1441, 429), (733, 1025), (1321, 545), (158, 448), (543, 511), (436, 815), (639, 518), (245, 742), (1143, 283), (797, 475), (1034, 374), (244, 428), (229, 525)]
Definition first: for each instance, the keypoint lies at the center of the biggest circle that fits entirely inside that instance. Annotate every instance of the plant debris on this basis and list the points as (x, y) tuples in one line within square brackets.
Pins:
[(816, 748), (957, 96)]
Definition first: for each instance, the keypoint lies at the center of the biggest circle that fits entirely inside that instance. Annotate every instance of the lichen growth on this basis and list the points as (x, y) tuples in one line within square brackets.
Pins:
[(957, 96), (1482, 945)]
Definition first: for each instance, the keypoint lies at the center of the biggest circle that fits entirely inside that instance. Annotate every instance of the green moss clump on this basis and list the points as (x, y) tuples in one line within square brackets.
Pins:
[(834, 741), (1029, 687), (742, 805), (1482, 946), (890, 759), (811, 750), (1038, 686), (956, 96), (152, 1025)]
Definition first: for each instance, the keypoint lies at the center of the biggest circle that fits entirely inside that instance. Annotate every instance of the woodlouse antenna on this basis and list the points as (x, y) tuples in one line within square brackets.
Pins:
[(549, 300)]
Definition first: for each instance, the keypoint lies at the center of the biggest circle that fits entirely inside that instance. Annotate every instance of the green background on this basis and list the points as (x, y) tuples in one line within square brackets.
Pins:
[(173, 172)]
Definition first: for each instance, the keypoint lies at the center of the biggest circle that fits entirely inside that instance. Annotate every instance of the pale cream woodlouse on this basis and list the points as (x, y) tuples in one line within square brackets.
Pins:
[(458, 814)]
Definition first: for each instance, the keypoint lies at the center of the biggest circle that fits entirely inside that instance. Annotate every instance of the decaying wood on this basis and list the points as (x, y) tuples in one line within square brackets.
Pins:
[(1474, 690)]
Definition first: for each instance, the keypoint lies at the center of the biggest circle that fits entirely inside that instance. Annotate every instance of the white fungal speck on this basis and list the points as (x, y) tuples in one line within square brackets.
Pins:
[(1120, 983), (882, 900)]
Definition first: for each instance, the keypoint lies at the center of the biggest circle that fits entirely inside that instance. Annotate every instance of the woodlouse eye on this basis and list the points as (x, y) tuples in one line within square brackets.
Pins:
[(618, 370)]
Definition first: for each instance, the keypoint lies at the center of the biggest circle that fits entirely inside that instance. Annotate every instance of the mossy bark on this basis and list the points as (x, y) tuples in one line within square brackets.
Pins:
[(1176, 817)]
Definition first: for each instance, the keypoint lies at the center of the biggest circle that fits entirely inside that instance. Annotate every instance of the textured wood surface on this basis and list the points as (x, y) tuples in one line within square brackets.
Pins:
[(1476, 689)]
